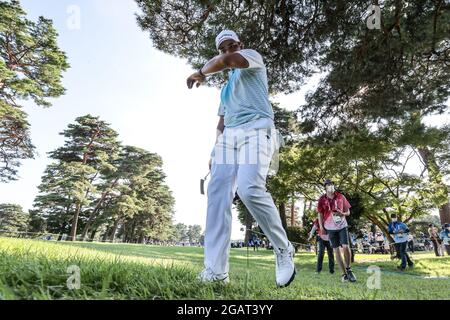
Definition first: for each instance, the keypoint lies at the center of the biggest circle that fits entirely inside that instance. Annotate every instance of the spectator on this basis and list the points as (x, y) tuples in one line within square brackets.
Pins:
[(445, 237), (255, 241), (352, 244), (400, 231), (332, 209), (410, 243), (379, 238), (433, 232), (371, 237), (323, 242)]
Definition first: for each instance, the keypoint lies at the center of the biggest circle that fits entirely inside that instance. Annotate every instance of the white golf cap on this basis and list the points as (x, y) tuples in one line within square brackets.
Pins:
[(226, 35)]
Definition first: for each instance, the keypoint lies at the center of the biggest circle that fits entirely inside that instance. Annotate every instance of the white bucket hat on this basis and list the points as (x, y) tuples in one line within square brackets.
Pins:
[(226, 35)]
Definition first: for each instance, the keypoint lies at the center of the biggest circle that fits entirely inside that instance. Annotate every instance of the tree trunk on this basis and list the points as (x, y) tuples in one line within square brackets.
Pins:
[(282, 209), (95, 210), (93, 235), (88, 225), (112, 236), (304, 216), (106, 234), (444, 213), (62, 230), (248, 227), (434, 173), (133, 228), (73, 231), (293, 212)]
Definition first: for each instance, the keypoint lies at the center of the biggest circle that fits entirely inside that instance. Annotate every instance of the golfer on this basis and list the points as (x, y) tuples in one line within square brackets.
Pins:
[(241, 158)]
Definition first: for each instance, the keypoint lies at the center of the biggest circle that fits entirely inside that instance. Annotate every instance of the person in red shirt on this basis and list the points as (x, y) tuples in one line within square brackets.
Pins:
[(332, 209), (322, 242)]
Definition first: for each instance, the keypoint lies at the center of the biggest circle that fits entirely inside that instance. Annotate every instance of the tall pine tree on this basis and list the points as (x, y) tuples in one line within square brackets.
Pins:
[(31, 67)]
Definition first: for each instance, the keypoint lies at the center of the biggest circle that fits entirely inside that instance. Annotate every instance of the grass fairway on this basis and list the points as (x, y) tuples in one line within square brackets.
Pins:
[(31, 269)]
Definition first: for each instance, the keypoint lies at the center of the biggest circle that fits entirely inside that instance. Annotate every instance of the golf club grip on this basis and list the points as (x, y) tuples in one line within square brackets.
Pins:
[(202, 186)]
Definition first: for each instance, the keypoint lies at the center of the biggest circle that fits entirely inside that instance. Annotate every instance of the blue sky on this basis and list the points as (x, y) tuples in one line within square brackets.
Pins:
[(116, 74)]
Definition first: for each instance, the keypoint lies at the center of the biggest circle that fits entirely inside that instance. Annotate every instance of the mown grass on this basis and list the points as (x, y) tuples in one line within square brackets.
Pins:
[(32, 269)]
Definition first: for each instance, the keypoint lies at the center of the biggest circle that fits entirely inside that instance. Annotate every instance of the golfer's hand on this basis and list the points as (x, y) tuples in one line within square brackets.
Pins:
[(195, 78)]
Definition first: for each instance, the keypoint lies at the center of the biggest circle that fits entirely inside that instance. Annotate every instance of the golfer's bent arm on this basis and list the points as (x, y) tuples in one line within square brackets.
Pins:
[(225, 61)]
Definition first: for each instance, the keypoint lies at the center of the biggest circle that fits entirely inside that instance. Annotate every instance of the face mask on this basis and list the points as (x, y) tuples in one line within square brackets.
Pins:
[(329, 188), (394, 219)]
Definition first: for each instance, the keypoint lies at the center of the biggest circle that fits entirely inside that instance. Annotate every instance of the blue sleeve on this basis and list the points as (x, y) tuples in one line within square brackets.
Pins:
[(405, 227), (390, 229)]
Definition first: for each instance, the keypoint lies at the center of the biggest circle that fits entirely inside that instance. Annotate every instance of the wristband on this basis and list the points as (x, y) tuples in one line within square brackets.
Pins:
[(201, 73)]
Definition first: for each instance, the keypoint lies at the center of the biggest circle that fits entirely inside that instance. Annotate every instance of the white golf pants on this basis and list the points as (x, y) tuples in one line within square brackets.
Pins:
[(241, 161)]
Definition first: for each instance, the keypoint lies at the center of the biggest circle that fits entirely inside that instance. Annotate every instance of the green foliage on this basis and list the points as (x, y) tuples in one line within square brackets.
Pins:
[(179, 233), (15, 142), (282, 31), (357, 211), (194, 233), (297, 234), (389, 81), (421, 225), (31, 67), (63, 186), (182, 233), (13, 218)]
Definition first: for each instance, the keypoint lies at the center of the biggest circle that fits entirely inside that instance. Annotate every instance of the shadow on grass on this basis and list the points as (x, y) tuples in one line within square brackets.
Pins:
[(423, 267), (262, 258), (189, 254)]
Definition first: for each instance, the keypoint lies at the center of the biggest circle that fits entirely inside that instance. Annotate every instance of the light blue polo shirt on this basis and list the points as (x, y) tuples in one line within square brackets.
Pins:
[(245, 97)]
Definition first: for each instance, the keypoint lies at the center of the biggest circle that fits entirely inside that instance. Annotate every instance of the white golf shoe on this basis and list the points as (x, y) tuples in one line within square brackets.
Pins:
[(285, 268), (207, 275)]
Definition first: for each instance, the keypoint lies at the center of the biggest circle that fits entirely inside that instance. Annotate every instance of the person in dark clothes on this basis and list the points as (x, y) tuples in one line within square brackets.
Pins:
[(400, 232), (323, 242)]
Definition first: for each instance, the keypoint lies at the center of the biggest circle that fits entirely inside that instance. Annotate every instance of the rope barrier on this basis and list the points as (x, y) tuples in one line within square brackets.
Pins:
[(42, 235), (56, 235), (79, 238), (310, 245)]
